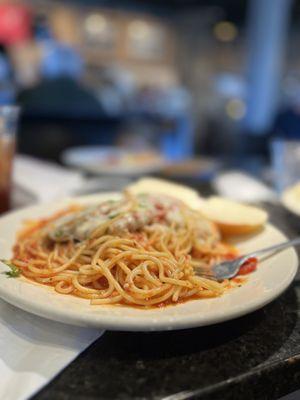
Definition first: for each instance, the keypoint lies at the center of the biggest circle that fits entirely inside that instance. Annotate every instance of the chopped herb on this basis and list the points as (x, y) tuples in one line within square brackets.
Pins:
[(14, 271), (143, 205), (59, 233), (112, 216)]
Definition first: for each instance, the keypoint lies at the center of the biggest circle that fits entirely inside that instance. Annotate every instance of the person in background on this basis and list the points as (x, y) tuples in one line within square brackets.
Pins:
[(60, 71), (58, 111)]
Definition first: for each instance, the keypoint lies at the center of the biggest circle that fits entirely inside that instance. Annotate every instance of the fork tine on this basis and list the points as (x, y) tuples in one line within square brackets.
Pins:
[(202, 272), (205, 271), (211, 277)]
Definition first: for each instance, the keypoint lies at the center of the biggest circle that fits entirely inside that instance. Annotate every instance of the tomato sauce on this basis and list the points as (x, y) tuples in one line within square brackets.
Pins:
[(249, 266)]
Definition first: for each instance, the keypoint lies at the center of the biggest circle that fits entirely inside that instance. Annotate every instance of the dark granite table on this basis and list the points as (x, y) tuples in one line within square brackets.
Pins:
[(253, 357)]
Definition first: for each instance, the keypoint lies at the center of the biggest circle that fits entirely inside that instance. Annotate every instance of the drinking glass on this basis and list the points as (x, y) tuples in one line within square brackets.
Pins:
[(8, 124), (285, 156)]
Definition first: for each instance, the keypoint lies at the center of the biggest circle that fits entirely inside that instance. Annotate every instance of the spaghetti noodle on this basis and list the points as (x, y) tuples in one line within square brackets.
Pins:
[(138, 250)]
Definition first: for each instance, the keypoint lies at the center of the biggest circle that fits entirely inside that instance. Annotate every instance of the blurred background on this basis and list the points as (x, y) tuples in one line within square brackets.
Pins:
[(198, 83)]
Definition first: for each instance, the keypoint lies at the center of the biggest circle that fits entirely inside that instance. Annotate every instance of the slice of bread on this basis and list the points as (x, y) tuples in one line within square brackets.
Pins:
[(154, 185), (233, 218)]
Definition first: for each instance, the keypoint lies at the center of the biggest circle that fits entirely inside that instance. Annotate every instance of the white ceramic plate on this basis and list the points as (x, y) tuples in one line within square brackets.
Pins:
[(268, 282), (95, 159)]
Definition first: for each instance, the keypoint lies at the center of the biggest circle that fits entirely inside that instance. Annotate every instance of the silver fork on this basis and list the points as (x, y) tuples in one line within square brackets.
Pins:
[(228, 269)]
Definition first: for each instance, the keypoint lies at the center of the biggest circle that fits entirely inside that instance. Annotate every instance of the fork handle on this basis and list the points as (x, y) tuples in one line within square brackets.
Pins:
[(280, 246)]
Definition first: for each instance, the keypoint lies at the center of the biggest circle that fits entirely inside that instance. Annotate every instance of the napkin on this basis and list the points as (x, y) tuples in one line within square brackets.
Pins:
[(34, 350), (45, 180)]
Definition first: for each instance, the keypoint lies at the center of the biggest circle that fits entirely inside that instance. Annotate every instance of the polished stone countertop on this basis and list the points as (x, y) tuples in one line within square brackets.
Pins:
[(253, 357)]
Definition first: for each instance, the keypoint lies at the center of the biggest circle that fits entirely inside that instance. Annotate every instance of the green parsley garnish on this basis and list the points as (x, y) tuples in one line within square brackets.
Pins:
[(59, 233), (143, 205), (112, 216), (14, 271)]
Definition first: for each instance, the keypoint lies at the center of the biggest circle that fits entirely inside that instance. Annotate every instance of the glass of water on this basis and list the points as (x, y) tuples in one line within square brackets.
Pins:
[(8, 123)]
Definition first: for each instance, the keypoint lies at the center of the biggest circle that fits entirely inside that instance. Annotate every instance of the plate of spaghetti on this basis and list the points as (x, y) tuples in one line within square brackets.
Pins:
[(110, 160), (129, 261)]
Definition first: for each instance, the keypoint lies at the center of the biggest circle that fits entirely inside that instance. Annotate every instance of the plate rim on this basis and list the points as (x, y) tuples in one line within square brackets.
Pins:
[(132, 323)]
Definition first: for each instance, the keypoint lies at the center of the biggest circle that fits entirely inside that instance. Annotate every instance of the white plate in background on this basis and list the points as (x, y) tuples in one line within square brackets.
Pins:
[(272, 277), (239, 186), (290, 199), (103, 160)]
